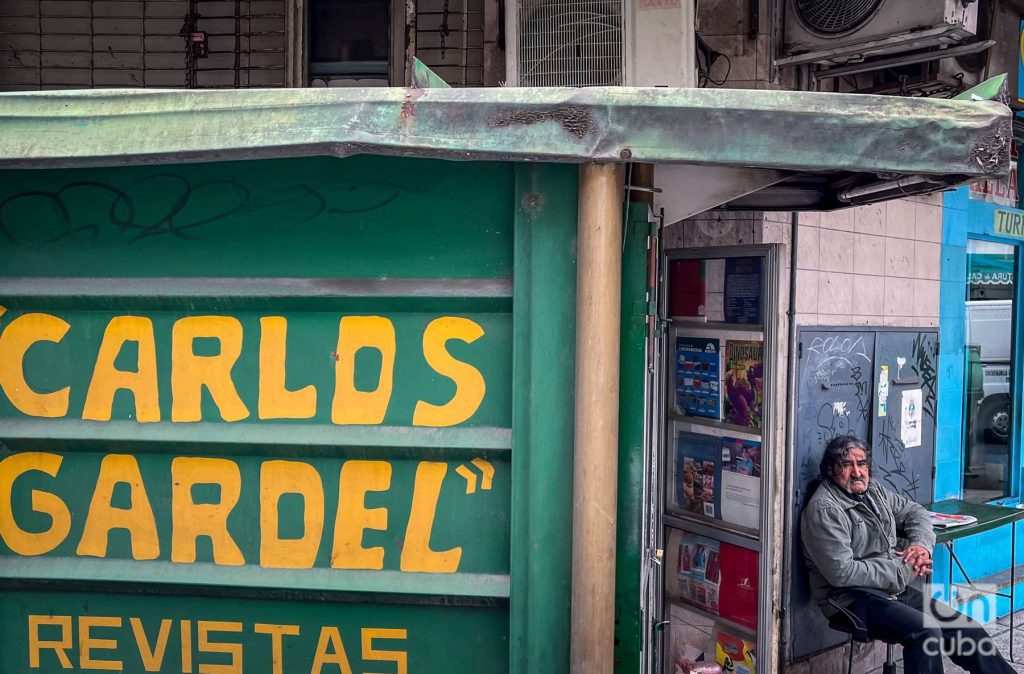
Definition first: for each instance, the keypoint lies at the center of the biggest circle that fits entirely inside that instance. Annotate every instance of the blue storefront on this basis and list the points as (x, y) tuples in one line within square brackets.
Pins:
[(978, 437)]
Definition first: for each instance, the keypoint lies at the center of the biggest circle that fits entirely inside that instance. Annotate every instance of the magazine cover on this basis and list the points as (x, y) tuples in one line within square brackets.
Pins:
[(735, 654), (738, 588), (743, 290), (700, 571), (698, 470), (741, 482), (744, 382), (687, 288), (697, 377)]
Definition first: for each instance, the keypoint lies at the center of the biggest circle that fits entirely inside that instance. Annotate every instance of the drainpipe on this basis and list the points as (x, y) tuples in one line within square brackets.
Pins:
[(596, 438), (788, 521)]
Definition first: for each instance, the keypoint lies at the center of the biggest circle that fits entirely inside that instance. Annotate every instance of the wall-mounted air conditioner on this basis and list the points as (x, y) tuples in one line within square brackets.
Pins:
[(836, 32)]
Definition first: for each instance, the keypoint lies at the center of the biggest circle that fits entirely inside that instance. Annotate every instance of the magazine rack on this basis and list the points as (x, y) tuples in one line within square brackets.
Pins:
[(718, 453)]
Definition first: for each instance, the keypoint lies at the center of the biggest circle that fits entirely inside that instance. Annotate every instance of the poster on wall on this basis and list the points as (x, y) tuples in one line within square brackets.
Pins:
[(744, 382), (741, 482), (743, 290), (910, 418), (697, 473), (697, 377)]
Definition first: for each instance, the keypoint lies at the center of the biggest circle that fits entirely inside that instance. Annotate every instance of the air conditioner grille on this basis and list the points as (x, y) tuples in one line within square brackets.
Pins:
[(835, 16), (570, 43)]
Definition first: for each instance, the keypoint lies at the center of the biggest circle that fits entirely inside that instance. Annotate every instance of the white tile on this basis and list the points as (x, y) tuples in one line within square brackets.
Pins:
[(807, 247), (834, 319), (835, 293), (807, 319), (899, 297), (900, 219), (928, 219), (868, 295), (806, 291), (927, 260), (870, 219), (841, 219), (899, 257), (867, 320), (869, 254), (810, 218), (835, 248), (926, 298)]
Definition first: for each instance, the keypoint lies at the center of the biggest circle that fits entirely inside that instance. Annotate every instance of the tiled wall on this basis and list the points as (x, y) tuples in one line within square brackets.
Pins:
[(871, 265)]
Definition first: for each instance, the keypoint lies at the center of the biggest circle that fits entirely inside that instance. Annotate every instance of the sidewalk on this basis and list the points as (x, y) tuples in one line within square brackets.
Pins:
[(1000, 631)]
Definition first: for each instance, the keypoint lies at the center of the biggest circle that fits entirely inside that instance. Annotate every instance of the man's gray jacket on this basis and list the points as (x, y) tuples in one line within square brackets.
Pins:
[(846, 544)]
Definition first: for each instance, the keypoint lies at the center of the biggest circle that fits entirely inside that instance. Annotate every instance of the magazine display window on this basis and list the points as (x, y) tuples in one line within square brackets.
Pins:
[(717, 414)]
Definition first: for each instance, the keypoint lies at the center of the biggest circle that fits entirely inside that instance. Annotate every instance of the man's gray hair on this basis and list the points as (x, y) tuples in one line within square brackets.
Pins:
[(836, 451)]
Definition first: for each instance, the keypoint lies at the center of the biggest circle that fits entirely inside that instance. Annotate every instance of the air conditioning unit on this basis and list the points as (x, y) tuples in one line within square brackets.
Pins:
[(836, 32), (568, 43), (941, 78)]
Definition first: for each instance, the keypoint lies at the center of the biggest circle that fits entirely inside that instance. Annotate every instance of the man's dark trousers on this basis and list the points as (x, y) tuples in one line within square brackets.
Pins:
[(902, 621)]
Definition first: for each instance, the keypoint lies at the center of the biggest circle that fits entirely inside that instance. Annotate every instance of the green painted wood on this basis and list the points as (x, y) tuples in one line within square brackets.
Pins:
[(989, 517), (542, 412), (632, 412), (312, 242)]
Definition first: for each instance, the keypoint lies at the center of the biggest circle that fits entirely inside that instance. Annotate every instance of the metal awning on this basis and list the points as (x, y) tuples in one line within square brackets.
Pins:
[(823, 150)]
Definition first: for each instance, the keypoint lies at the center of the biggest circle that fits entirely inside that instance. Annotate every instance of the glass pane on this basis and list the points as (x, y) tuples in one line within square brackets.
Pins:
[(348, 36), (717, 290), (988, 345)]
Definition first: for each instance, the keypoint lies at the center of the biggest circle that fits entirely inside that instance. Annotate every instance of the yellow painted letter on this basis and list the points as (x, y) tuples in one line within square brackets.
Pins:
[(276, 633), (469, 383), (17, 539), (15, 341), (86, 642), (416, 552), (290, 477), (152, 658), (400, 658), (357, 478), (234, 666), (106, 379), (276, 401), (329, 636), (189, 372), (189, 520), (102, 517), (350, 405), (35, 644)]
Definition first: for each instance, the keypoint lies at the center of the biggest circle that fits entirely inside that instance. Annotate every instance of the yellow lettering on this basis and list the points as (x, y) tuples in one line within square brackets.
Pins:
[(15, 341), (152, 658), (186, 647), (357, 478), (290, 477), (190, 373), (106, 379), (276, 633), (17, 539), (36, 645), (351, 406), (400, 658), (103, 516), (329, 636), (276, 401), (206, 646), (190, 520), (87, 642), (469, 383), (416, 553)]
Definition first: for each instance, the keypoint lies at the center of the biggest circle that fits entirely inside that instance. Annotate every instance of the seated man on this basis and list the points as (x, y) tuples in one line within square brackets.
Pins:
[(850, 531)]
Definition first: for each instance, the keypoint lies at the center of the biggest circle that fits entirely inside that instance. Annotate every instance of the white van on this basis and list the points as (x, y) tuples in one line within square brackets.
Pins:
[(987, 331)]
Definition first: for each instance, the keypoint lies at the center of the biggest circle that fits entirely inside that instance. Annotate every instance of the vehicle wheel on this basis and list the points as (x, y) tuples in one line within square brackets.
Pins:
[(994, 419)]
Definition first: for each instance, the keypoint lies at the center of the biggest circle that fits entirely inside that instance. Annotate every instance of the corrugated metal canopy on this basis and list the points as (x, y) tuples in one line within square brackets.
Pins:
[(836, 143)]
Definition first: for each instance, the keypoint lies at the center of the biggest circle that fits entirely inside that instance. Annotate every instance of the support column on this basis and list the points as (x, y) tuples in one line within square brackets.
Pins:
[(598, 289)]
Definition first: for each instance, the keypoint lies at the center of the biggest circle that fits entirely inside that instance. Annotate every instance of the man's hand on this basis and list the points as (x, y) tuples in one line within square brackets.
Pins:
[(918, 558)]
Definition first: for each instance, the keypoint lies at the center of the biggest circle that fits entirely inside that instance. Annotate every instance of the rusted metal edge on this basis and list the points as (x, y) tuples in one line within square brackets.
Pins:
[(252, 576), (799, 131)]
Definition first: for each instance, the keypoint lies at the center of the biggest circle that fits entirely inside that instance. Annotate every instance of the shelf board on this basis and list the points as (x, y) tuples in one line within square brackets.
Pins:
[(731, 624), (728, 430), (743, 538)]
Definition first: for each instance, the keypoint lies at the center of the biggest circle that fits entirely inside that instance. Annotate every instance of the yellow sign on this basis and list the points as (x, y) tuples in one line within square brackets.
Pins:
[(1009, 223)]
